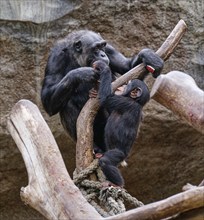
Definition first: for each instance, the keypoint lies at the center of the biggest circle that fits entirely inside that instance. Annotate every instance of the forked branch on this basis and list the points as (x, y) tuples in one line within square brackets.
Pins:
[(85, 120), (50, 189)]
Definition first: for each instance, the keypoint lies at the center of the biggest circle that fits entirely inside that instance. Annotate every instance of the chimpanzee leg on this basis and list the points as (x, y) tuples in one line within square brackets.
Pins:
[(108, 164)]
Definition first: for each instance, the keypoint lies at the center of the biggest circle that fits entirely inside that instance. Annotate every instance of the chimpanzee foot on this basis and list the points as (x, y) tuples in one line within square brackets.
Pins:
[(98, 155)]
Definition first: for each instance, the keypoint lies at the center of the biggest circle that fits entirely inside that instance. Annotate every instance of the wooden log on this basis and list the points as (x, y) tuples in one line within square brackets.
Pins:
[(182, 202), (50, 189), (178, 92), (84, 155)]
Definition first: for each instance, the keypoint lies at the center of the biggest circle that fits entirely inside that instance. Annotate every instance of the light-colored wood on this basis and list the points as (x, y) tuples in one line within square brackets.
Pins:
[(85, 120), (165, 51), (50, 189), (178, 92), (191, 199), (84, 150)]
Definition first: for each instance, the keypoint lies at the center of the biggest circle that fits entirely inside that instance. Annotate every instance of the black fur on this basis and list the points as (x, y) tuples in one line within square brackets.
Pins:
[(122, 124), (69, 76)]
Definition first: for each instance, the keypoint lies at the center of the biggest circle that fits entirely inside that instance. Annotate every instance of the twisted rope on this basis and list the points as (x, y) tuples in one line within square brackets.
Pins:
[(111, 199), (126, 196), (101, 211), (78, 177)]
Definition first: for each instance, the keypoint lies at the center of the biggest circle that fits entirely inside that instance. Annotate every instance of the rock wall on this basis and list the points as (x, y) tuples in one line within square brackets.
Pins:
[(168, 152)]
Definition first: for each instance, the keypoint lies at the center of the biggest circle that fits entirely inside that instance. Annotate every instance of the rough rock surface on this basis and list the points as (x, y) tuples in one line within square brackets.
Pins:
[(168, 152)]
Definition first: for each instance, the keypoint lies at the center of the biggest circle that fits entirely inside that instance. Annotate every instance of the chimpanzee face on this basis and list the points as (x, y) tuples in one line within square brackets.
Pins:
[(137, 90), (135, 93), (90, 48)]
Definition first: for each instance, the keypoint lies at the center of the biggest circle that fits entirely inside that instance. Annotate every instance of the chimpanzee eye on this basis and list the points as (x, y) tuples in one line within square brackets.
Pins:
[(103, 45), (139, 91), (78, 46)]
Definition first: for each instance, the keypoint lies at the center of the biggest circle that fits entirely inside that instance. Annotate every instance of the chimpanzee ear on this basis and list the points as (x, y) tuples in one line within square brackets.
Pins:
[(139, 91), (78, 46)]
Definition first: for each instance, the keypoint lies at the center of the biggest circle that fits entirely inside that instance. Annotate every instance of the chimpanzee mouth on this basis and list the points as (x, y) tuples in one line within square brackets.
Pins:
[(91, 62)]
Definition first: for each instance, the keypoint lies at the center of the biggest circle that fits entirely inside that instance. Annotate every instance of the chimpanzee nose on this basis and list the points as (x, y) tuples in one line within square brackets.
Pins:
[(103, 54)]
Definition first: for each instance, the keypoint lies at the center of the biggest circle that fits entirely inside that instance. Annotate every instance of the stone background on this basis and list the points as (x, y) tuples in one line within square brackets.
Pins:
[(168, 153)]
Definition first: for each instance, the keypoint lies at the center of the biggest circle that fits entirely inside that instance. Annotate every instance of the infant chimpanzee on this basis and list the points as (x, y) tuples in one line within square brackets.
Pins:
[(124, 116)]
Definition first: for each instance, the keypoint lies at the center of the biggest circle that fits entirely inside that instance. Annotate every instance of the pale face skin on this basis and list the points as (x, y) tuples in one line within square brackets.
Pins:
[(134, 93), (119, 91)]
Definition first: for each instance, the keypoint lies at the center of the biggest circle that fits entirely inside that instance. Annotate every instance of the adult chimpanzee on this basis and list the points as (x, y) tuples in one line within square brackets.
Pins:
[(125, 112), (69, 77)]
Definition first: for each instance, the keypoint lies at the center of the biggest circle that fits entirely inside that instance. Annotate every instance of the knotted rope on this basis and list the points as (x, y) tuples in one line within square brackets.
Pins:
[(107, 200)]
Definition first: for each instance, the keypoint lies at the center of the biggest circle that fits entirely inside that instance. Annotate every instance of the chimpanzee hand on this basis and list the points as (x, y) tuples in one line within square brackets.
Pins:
[(153, 63), (105, 80), (87, 74), (93, 93), (100, 67)]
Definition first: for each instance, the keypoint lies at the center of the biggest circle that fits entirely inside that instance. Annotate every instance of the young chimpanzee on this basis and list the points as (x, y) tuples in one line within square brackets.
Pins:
[(125, 112)]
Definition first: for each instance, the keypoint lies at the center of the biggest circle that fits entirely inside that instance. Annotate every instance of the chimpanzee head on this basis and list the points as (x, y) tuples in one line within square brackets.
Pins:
[(137, 90), (88, 47)]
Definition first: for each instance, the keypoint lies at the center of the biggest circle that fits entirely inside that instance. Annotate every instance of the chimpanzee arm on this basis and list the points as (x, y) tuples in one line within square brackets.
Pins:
[(106, 97), (56, 91), (105, 89), (120, 104), (118, 62), (121, 64)]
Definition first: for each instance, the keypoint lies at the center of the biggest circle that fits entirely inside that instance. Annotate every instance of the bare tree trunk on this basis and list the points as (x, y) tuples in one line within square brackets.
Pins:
[(50, 189)]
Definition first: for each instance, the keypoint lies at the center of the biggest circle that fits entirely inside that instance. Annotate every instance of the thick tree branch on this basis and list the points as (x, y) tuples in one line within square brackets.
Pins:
[(86, 117), (84, 149), (50, 189), (182, 202), (178, 92), (165, 51)]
